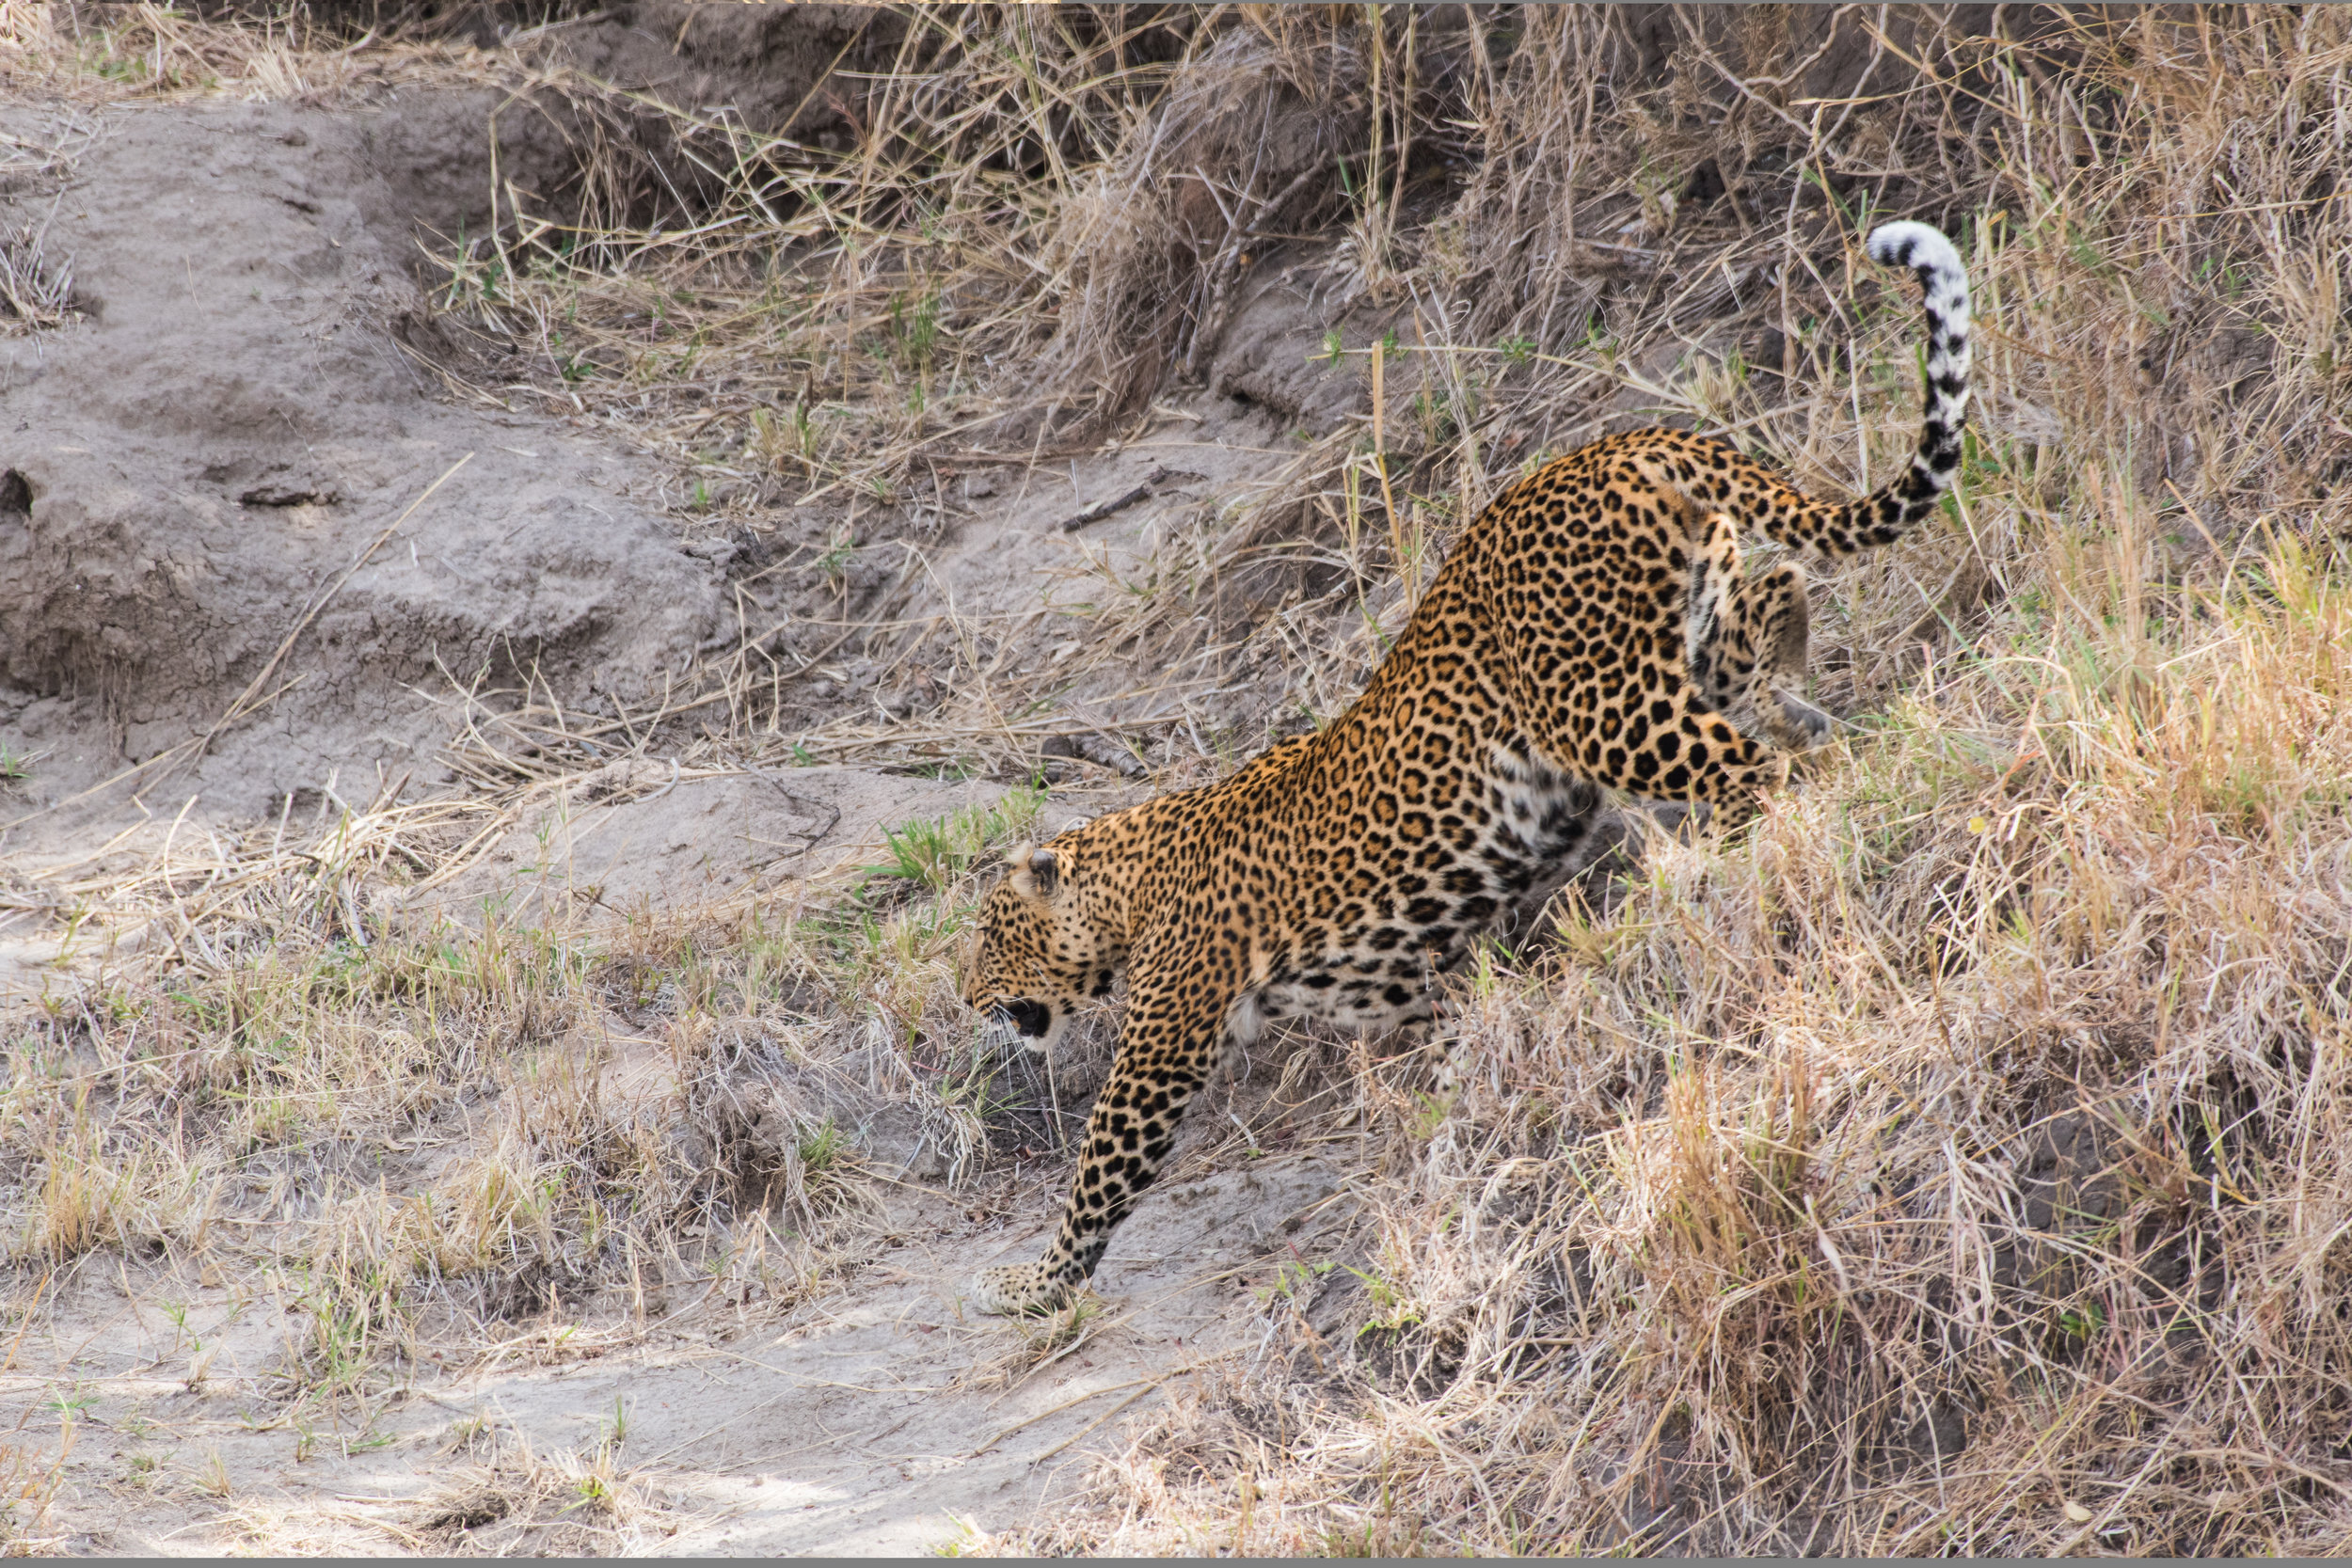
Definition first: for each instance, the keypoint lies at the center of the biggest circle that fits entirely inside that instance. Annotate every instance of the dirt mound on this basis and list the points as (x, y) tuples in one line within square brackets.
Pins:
[(229, 465)]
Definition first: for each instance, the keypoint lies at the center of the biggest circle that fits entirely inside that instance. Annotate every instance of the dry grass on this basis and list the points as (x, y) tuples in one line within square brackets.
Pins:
[(1953, 1164), (464, 1145), (1960, 1177), (99, 54), (588, 1503), (29, 1474), (833, 329)]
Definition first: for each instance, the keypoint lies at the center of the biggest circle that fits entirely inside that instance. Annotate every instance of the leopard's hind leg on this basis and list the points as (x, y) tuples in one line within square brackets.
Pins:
[(1745, 640)]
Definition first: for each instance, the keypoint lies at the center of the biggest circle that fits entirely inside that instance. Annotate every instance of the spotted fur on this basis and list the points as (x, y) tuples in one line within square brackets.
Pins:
[(1594, 628)]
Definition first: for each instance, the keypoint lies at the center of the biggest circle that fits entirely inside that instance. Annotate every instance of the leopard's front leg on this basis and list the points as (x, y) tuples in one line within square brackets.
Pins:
[(1171, 1043)]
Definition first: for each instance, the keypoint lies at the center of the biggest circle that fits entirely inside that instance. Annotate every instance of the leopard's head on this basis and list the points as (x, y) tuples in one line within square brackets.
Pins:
[(1045, 949)]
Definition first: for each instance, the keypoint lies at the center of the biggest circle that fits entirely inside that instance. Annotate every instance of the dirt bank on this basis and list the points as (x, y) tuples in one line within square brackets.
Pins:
[(230, 462)]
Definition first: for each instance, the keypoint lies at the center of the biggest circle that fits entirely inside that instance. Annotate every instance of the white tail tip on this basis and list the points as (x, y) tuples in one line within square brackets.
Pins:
[(1919, 246)]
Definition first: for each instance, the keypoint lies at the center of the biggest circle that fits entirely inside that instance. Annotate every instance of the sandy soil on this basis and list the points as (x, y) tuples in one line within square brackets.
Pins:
[(255, 569), (881, 1420), (235, 428), (638, 836)]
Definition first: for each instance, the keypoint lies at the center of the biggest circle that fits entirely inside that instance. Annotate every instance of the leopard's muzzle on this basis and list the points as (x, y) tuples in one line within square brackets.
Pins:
[(1030, 1023)]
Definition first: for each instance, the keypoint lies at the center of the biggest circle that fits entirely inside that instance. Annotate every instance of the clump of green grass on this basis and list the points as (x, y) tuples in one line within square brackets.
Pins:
[(937, 853)]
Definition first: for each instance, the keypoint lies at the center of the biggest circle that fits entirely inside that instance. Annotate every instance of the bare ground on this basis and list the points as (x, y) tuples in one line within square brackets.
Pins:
[(877, 1419)]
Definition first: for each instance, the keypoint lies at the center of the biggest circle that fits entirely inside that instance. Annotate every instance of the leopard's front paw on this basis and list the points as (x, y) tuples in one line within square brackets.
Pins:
[(1012, 1288)]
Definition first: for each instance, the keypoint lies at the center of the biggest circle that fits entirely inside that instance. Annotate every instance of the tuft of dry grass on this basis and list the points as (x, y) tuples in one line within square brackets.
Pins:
[(588, 1501), (29, 1477)]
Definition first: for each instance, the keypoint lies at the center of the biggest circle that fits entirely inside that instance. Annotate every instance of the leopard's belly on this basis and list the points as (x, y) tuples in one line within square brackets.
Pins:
[(1514, 821)]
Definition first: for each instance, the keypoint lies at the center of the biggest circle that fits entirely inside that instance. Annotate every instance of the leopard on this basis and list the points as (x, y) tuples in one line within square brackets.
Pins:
[(1594, 628)]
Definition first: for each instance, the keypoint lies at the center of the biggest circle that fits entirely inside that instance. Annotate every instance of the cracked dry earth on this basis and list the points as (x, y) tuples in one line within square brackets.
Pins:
[(236, 424)]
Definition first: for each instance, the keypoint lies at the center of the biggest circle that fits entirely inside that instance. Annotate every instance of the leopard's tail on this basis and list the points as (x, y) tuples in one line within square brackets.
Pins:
[(1886, 516)]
